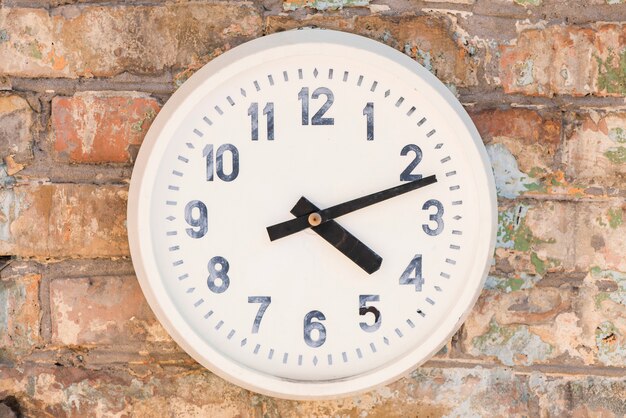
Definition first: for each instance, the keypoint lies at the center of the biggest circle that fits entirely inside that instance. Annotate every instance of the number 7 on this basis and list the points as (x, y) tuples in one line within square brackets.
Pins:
[(265, 302)]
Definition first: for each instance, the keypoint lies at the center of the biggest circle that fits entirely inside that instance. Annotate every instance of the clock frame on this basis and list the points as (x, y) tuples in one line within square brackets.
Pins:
[(314, 57)]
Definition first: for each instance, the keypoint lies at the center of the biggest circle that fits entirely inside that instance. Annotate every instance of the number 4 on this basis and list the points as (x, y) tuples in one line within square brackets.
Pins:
[(417, 280)]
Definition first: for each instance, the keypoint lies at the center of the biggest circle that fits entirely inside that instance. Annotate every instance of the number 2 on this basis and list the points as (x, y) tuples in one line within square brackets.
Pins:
[(407, 174)]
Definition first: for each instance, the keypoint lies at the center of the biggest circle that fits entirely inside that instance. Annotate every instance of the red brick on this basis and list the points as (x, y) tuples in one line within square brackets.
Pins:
[(428, 39), (100, 127), (527, 126), (19, 315), (565, 60), (16, 128), (101, 311), (96, 41), (64, 220), (430, 392)]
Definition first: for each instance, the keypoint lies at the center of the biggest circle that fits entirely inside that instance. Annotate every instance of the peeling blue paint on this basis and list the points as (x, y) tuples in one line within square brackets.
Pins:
[(510, 181), (611, 348), (525, 77), (426, 59), (6, 181), (512, 344), (619, 295), (4, 309), (9, 209)]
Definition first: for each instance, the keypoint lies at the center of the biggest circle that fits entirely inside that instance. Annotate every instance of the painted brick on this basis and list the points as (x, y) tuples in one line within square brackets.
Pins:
[(16, 128), (595, 151), (546, 236), (566, 60), (104, 41), (19, 315), (64, 220), (101, 310), (322, 4), (522, 145), (428, 39), (96, 127), (520, 320), (149, 392)]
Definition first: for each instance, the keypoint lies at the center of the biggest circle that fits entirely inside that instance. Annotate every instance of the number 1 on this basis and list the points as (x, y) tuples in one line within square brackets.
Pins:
[(368, 111)]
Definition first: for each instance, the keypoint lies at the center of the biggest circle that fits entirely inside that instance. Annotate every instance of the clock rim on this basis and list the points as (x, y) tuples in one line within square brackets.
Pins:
[(140, 241)]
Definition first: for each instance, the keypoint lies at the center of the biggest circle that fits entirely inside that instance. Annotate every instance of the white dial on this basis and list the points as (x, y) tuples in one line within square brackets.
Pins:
[(336, 308)]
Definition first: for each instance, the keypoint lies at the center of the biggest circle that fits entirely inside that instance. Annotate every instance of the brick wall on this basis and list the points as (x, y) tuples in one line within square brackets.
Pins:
[(544, 81)]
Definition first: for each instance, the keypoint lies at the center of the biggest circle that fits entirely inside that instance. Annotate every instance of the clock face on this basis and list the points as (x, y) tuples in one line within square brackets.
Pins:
[(361, 298)]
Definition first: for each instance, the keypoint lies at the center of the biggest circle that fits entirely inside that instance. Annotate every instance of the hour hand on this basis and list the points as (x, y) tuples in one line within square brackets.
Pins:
[(341, 239)]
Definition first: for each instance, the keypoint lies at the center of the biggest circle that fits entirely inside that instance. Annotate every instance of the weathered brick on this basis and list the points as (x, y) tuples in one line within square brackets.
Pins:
[(103, 311), (595, 152), (152, 391), (428, 39), (522, 145), (63, 220), (96, 127), (104, 41), (577, 320), (19, 315), (16, 128), (322, 4), (527, 126), (566, 60), (543, 236)]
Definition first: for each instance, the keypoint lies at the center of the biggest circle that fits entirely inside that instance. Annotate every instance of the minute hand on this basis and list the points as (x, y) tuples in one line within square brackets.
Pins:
[(300, 223)]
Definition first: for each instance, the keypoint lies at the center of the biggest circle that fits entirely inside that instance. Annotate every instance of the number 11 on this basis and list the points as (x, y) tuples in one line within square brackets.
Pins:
[(268, 111)]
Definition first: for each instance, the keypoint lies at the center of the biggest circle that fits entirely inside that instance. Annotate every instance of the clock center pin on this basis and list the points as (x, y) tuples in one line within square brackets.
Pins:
[(315, 219)]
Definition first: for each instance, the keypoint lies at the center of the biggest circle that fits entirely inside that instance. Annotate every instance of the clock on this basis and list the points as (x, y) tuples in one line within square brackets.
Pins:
[(312, 214)]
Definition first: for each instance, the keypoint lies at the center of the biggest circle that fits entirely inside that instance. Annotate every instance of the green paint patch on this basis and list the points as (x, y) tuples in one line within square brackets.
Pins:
[(612, 72), (536, 187), (616, 155), (4, 36), (614, 1), (540, 265), (617, 135), (512, 344), (323, 4), (609, 341), (511, 284), (528, 2), (513, 233), (615, 216), (148, 117), (34, 51)]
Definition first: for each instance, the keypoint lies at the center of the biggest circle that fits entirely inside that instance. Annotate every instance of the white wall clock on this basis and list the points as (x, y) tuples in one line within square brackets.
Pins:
[(312, 214)]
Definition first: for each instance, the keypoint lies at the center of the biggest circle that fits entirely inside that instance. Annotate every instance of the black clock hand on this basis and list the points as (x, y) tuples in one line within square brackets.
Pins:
[(341, 239), (300, 223)]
